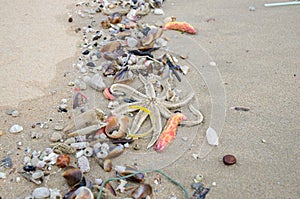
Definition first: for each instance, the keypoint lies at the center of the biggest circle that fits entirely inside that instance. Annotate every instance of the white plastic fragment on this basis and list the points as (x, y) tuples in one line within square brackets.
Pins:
[(212, 137)]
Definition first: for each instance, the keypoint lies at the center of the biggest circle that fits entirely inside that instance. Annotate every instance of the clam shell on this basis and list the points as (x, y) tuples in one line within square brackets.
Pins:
[(83, 193), (142, 191), (73, 176), (112, 125)]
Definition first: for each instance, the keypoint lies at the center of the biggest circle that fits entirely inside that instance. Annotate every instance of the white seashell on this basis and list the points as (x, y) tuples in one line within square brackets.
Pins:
[(41, 192), (37, 174), (98, 181), (80, 145), (212, 137), (51, 158), (185, 69), (83, 164), (88, 151), (16, 129), (55, 194), (158, 11)]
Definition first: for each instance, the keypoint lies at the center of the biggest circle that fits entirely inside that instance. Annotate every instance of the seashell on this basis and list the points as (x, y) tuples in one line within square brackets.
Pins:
[(16, 129), (55, 194), (106, 164), (107, 94), (115, 18), (115, 151), (83, 193), (73, 176), (117, 127), (105, 24), (83, 164), (37, 174), (180, 26), (88, 151), (108, 187), (128, 170), (158, 11), (63, 160), (102, 154), (41, 192), (112, 125), (142, 191), (212, 137)]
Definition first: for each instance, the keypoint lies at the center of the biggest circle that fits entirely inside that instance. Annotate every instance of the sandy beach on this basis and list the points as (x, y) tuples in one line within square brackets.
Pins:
[(243, 57)]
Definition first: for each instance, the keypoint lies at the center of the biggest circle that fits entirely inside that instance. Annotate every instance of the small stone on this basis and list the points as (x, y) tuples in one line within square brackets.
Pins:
[(64, 101), (91, 64), (263, 140), (83, 164), (96, 82), (251, 8), (98, 181), (26, 159), (71, 84), (1, 132), (36, 135), (18, 179), (214, 184), (85, 52), (56, 136), (6, 162), (16, 129), (19, 143), (41, 192), (229, 160), (212, 63), (158, 11), (184, 139), (15, 113), (59, 127), (131, 42), (2, 175)]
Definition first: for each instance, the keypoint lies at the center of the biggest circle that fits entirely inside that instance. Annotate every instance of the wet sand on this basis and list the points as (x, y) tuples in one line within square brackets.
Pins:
[(257, 54)]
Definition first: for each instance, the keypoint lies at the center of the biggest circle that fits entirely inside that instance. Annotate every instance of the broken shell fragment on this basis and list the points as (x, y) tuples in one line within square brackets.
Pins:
[(73, 176), (142, 191), (180, 26), (107, 94)]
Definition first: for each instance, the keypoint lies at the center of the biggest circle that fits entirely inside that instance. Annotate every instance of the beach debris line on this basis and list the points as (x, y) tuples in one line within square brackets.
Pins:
[(126, 62)]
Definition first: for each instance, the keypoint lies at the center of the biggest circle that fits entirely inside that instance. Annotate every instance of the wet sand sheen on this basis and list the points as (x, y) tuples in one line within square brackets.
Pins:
[(29, 28)]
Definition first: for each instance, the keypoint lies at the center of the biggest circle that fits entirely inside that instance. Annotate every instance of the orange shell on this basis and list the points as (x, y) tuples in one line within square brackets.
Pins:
[(181, 26), (63, 160)]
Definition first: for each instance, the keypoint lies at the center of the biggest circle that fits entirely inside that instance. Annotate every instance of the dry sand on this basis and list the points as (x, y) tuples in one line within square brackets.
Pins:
[(257, 54)]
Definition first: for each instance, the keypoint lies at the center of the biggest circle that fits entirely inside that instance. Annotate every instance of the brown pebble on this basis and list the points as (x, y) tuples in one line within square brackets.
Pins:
[(229, 159), (70, 19)]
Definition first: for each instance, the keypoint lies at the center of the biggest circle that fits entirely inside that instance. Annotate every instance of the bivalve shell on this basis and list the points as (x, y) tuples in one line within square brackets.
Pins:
[(73, 176), (16, 129)]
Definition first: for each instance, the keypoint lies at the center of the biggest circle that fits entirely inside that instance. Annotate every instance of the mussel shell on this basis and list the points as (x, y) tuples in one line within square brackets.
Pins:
[(110, 189), (142, 191), (73, 176), (128, 170), (106, 164)]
